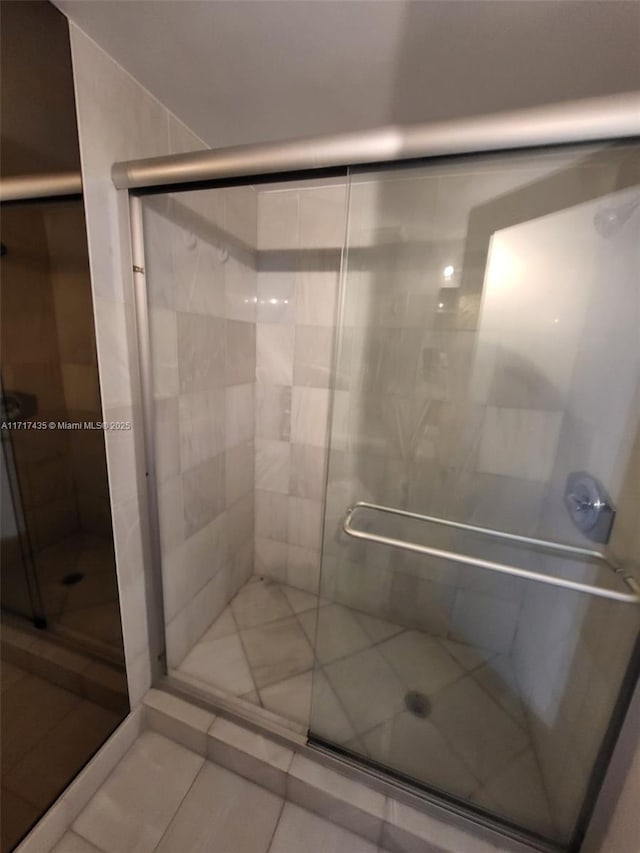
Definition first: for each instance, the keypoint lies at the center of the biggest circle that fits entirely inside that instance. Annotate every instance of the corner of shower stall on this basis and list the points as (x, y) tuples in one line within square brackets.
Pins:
[(242, 294), (370, 393)]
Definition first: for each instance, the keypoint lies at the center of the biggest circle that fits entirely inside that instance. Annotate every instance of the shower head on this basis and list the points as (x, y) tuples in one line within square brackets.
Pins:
[(609, 220)]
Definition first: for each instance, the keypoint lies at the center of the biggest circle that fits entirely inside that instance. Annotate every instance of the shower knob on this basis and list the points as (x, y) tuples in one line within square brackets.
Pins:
[(589, 506)]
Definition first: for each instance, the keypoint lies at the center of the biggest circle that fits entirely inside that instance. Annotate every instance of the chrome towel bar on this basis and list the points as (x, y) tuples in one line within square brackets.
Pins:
[(631, 597)]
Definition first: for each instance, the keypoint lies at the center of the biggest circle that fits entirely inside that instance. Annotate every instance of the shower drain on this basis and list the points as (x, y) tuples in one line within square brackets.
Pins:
[(417, 703), (72, 578)]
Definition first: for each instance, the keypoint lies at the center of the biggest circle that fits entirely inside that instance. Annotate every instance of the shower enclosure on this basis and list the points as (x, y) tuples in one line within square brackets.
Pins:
[(393, 446)]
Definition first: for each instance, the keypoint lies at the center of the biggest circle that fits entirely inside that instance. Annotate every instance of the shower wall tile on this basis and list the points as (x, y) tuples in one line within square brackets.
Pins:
[(316, 297), (171, 513), (272, 465), (186, 628), (203, 417), (276, 297), (240, 362), (303, 568), (164, 335), (485, 620), (304, 522), (271, 558), (300, 234), (160, 236), (313, 356), (309, 416), (519, 442), (272, 515), (201, 352), (273, 412), (203, 488), (277, 220), (322, 217), (307, 471), (190, 566), (420, 603), (239, 414), (242, 566), (167, 438), (240, 291), (212, 293), (198, 272), (121, 451), (238, 469), (274, 354), (240, 523), (114, 330), (241, 215)]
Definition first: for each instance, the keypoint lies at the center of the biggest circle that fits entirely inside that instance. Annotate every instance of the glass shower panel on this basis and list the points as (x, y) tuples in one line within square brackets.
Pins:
[(487, 349), (242, 289)]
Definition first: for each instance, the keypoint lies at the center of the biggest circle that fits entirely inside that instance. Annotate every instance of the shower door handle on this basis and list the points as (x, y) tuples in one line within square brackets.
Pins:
[(630, 597)]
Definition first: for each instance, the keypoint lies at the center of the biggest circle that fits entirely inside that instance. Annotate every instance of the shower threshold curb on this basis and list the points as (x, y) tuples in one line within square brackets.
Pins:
[(357, 800)]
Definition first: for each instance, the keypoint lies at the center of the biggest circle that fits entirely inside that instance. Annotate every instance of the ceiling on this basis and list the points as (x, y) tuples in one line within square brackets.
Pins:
[(240, 71)]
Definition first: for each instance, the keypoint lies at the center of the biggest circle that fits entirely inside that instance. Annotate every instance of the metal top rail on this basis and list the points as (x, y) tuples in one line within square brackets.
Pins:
[(631, 597), (26, 187), (588, 120)]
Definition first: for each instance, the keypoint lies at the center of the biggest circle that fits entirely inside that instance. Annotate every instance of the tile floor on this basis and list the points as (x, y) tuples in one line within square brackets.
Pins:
[(85, 611), (472, 742), (165, 798), (90, 608), (48, 734)]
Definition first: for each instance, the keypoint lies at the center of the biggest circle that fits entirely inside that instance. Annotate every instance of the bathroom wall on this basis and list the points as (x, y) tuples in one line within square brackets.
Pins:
[(118, 120), (300, 236), (201, 275)]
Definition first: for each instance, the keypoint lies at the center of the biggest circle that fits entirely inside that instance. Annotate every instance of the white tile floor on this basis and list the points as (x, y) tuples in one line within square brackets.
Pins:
[(163, 797), (473, 742)]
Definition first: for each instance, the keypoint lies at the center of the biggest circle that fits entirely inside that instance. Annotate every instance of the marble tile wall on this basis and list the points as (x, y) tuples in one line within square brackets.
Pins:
[(119, 120), (201, 274), (300, 236)]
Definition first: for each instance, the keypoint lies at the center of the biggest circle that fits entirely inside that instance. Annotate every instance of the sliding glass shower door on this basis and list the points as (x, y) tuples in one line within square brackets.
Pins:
[(473, 634)]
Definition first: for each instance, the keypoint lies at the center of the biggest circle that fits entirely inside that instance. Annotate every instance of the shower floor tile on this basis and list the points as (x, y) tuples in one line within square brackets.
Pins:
[(347, 675), (200, 806)]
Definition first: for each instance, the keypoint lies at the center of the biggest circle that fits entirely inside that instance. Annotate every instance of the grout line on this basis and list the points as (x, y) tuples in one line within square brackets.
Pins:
[(277, 823), (183, 798), (244, 649)]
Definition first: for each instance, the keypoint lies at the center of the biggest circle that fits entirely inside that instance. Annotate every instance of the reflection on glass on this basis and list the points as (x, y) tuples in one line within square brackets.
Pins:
[(487, 349), (63, 680)]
